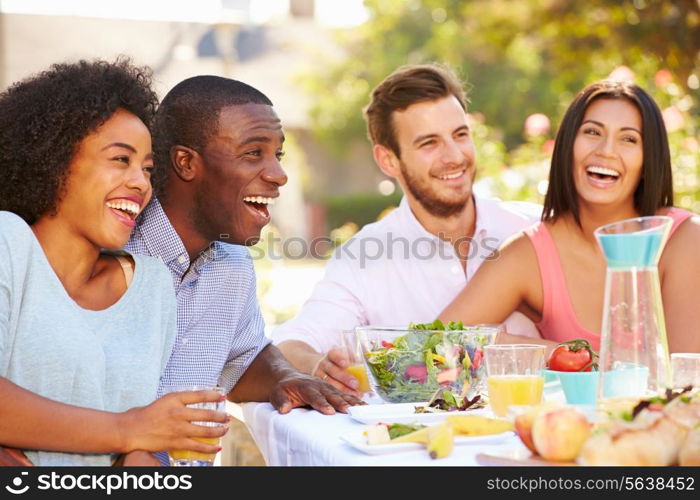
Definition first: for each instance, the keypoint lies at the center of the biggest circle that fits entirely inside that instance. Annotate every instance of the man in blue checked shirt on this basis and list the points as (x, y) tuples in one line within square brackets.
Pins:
[(217, 147)]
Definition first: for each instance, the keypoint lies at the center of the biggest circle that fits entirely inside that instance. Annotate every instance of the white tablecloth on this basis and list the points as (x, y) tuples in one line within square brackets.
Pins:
[(306, 437)]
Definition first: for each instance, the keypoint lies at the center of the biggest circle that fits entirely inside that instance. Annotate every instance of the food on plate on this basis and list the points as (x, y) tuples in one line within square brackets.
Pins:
[(653, 433), (573, 356), (417, 436), (444, 400), (523, 424), (475, 425), (378, 434), (440, 440), (413, 366), (690, 451), (396, 433), (559, 434)]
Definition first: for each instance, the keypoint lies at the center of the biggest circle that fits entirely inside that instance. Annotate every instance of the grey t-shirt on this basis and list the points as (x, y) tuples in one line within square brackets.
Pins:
[(108, 360)]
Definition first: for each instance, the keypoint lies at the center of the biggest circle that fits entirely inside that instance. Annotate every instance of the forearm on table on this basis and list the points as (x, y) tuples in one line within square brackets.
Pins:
[(300, 354), (30, 421), (264, 373)]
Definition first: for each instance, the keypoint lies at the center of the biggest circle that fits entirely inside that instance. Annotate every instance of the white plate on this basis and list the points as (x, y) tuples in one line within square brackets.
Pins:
[(358, 440), (403, 413)]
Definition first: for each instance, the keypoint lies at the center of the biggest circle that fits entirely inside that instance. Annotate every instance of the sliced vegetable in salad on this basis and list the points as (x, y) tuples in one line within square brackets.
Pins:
[(443, 401)]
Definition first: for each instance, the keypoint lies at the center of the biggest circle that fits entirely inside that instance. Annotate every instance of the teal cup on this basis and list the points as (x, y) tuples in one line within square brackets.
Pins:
[(580, 388)]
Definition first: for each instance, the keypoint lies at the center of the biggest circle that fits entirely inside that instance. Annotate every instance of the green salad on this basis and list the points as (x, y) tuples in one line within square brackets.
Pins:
[(413, 366)]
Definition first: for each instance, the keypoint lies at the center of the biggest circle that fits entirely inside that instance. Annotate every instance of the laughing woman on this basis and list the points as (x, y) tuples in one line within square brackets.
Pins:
[(84, 332), (611, 162)]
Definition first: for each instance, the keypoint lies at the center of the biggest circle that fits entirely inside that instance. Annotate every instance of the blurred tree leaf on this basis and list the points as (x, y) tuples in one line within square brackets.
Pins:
[(521, 56)]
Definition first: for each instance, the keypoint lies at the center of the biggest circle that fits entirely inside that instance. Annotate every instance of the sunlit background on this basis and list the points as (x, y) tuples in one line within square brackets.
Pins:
[(317, 60)]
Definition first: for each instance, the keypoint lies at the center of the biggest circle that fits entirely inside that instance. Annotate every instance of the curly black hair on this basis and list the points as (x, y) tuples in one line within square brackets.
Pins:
[(46, 116)]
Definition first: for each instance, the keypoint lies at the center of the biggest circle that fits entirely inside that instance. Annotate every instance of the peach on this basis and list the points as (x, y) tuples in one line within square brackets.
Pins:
[(559, 434), (523, 428), (523, 424)]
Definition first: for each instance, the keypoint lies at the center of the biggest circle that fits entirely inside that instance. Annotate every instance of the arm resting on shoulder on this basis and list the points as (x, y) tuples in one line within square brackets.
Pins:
[(499, 288)]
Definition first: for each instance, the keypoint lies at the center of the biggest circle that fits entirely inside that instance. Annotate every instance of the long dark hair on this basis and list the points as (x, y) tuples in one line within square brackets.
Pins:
[(655, 189)]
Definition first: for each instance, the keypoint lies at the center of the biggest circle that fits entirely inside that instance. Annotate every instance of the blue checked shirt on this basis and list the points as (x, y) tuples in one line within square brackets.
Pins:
[(219, 326)]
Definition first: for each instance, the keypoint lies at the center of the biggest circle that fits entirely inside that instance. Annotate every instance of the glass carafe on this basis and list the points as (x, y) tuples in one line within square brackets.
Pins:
[(634, 360)]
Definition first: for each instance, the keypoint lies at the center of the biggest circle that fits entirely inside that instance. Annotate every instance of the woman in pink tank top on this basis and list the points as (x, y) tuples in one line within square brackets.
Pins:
[(611, 162)]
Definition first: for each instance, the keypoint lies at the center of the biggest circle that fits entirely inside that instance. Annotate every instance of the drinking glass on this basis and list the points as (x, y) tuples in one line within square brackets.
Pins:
[(189, 458), (514, 375), (686, 369), (350, 345)]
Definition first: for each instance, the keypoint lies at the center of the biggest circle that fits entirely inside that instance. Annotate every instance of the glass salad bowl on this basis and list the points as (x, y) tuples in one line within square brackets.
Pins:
[(408, 365)]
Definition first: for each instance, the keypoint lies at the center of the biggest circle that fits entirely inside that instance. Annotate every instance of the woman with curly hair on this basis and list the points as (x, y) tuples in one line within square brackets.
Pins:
[(84, 332), (611, 162)]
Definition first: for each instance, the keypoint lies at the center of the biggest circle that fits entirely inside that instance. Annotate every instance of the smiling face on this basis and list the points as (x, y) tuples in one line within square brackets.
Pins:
[(437, 155), (241, 175), (608, 154), (108, 182)]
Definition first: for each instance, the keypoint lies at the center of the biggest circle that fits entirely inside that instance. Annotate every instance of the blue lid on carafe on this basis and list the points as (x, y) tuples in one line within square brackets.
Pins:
[(634, 242)]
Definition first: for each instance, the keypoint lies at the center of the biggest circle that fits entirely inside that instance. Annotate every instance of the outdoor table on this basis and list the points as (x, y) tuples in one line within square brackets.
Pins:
[(306, 437)]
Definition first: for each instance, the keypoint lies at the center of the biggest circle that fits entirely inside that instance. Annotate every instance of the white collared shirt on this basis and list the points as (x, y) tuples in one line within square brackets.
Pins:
[(393, 272)]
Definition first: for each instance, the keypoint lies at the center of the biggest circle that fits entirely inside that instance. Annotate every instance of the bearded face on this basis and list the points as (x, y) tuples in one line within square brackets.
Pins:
[(436, 159), (437, 198)]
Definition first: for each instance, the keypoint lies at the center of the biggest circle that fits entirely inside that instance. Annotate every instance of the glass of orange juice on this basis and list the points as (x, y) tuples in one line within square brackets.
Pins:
[(351, 345), (189, 458), (514, 375)]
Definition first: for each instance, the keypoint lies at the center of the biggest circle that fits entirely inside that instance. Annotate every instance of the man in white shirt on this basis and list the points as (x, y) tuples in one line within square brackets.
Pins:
[(409, 265)]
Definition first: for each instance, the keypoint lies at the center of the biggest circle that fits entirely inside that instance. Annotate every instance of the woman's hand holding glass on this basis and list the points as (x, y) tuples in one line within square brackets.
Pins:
[(167, 423)]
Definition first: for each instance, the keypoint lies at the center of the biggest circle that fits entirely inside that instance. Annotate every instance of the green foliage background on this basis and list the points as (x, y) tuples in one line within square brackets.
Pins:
[(521, 57)]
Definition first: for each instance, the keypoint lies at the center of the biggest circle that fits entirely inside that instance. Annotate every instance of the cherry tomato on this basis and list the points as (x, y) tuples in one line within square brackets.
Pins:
[(478, 355), (573, 356), (387, 344)]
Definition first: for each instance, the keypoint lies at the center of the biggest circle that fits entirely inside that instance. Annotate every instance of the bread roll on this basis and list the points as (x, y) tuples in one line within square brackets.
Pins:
[(658, 443), (690, 451)]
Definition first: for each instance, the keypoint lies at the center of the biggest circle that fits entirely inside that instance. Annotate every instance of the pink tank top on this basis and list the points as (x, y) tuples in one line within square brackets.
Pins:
[(559, 322)]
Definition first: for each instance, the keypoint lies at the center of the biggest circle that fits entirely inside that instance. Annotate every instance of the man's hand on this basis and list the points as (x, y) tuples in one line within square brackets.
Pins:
[(13, 457), (298, 389), (331, 368), (271, 378)]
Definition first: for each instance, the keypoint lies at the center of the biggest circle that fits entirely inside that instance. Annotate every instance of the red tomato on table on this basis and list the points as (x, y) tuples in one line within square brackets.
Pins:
[(573, 356)]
